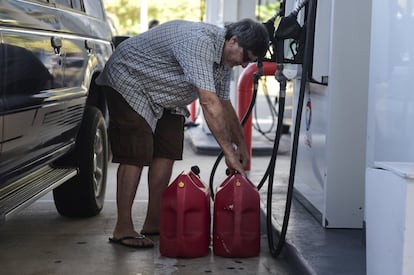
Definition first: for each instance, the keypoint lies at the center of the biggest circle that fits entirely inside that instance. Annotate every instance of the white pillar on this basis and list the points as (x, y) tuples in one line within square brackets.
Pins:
[(144, 15)]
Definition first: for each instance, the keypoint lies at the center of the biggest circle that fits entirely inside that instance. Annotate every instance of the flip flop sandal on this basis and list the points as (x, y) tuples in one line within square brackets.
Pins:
[(141, 244), (149, 233)]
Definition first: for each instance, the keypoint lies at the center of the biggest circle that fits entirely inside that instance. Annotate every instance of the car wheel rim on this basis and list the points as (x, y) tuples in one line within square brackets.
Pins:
[(98, 163)]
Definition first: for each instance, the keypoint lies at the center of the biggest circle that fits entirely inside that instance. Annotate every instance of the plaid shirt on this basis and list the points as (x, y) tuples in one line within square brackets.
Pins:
[(161, 68)]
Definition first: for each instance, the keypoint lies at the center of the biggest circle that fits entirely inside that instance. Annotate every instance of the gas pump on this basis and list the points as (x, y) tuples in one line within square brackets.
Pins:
[(327, 163), (327, 166), (290, 43)]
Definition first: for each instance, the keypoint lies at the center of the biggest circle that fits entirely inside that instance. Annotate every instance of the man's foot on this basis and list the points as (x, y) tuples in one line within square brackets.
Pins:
[(133, 241), (150, 233)]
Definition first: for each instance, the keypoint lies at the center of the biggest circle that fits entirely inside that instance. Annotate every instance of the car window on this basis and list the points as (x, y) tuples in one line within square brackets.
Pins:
[(66, 3), (94, 8), (76, 4)]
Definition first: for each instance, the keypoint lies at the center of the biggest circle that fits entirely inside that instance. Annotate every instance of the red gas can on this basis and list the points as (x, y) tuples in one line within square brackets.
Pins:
[(185, 218), (236, 224)]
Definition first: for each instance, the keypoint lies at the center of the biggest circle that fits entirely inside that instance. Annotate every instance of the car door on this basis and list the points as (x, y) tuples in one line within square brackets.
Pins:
[(32, 74), (1, 91)]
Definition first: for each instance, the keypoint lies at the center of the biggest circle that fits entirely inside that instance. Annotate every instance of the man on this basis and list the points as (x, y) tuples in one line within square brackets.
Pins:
[(149, 81)]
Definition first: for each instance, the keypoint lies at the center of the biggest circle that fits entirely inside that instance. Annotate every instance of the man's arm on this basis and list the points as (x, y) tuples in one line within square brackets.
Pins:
[(215, 115), (235, 127)]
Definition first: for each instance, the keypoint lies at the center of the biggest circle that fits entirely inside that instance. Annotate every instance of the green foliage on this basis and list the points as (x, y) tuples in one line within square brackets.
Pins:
[(126, 15), (183, 9), (266, 11)]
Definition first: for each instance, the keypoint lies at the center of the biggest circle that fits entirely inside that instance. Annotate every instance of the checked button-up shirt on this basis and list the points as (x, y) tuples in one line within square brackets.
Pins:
[(161, 68)]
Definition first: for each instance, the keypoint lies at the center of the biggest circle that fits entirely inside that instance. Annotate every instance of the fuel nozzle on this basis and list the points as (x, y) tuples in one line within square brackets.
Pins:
[(282, 79), (289, 29)]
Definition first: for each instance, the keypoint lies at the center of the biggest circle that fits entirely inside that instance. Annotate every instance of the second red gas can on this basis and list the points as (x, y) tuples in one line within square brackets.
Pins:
[(236, 223)]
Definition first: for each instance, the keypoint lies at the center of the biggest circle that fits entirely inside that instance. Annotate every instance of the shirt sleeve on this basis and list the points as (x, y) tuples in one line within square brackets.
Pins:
[(222, 80)]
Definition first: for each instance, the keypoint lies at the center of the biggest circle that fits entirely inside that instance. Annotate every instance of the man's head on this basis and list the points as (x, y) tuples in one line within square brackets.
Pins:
[(246, 40)]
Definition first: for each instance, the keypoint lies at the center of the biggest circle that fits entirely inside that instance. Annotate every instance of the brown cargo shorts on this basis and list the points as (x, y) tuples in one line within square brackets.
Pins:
[(131, 138)]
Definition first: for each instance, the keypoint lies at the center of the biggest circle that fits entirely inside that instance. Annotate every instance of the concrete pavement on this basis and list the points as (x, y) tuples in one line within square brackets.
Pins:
[(39, 241)]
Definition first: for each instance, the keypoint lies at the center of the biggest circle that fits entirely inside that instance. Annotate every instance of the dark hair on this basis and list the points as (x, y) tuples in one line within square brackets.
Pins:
[(153, 23), (251, 35)]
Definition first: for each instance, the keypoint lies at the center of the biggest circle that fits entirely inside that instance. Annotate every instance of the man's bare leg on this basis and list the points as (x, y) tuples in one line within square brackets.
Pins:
[(159, 175), (128, 177)]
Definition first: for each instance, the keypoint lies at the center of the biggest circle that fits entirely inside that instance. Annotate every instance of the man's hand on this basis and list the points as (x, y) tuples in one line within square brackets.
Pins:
[(234, 163), (243, 156)]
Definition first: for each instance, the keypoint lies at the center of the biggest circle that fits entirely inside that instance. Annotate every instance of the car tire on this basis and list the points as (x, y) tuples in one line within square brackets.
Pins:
[(83, 195)]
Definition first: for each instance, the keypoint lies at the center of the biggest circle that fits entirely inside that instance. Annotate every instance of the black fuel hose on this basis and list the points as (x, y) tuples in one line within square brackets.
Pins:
[(275, 251), (270, 172)]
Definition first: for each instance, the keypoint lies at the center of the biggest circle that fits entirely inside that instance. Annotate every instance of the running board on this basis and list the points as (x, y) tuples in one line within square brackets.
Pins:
[(21, 193)]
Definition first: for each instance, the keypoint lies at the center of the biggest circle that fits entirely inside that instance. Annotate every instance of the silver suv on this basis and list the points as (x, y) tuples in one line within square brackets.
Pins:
[(52, 115)]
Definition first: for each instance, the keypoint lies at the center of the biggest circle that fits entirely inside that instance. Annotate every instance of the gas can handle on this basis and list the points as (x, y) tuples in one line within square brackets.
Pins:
[(196, 170), (228, 173)]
